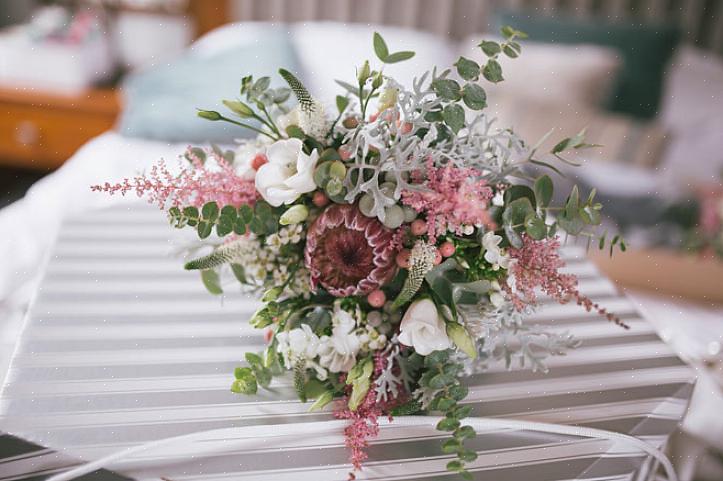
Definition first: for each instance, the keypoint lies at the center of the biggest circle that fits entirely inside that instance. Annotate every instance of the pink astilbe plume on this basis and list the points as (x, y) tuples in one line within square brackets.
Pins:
[(452, 198), (364, 421), (195, 185), (537, 264)]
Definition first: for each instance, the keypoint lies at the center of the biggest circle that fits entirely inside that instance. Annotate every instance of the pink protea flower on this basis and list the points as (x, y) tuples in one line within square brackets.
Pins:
[(349, 254)]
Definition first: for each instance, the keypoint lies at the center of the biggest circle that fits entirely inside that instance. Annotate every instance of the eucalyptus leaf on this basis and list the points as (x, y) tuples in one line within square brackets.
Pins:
[(380, 47), (493, 71), (211, 281), (399, 56), (447, 89), (543, 190), (490, 48), (467, 69), (453, 116), (474, 96)]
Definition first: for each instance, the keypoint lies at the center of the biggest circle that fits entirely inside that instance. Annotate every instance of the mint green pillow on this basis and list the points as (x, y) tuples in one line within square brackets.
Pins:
[(161, 103), (645, 50)]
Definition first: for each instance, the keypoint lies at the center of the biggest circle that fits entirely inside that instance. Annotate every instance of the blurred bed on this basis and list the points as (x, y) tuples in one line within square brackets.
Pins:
[(646, 155)]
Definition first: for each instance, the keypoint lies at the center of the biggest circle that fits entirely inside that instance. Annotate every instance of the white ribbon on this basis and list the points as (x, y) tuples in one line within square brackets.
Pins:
[(243, 434)]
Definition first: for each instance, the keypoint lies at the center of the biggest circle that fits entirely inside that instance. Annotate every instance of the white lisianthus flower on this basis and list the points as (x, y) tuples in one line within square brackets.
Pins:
[(423, 328), (338, 351), (288, 173), (493, 253), (300, 344)]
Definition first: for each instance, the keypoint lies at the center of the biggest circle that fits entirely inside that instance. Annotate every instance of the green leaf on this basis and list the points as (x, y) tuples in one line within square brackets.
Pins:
[(439, 381), (509, 32), (450, 446), (543, 190), (380, 47), (245, 385), (445, 403), (341, 103), (467, 69), (211, 281), (204, 229), (493, 71), (512, 49), (242, 372), (263, 376), (246, 213), (458, 392), (210, 211), (447, 89), (467, 455), (325, 398), (447, 424), (516, 211), (262, 84), (239, 273), (399, 56), (453, 116), (474, 96), (535, 227), (515, 192), (462, 411), (490, 48), (455, 466), (239, 108), (465, 432)]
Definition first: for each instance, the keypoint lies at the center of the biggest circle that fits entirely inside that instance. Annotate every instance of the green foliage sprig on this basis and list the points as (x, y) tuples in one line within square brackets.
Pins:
[(442, 375), (262, 219)]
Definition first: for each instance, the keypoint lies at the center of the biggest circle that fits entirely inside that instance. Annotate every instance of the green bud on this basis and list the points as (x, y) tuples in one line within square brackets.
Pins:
[(209, 115), (364, 72), (461, 338), (294, 215), (337, 169), (239, 108), (272, 294), (378, 80)]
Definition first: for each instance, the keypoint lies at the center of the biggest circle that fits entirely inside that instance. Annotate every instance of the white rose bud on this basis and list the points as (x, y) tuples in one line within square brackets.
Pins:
[(423, 328)]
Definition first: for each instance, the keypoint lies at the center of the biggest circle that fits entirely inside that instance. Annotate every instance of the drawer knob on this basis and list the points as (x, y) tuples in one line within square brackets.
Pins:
[(27, 133)]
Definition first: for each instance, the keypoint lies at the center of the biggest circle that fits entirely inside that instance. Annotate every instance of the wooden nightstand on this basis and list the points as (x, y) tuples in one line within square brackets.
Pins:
[(40, 130)]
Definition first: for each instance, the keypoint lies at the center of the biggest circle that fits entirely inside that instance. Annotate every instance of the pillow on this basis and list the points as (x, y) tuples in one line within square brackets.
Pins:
[(161, 103), (645, 49), (622, 138), (693, 111), (562, 74)]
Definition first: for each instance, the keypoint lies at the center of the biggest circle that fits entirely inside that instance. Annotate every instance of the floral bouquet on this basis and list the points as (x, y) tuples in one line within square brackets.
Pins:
[(398, 243)]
